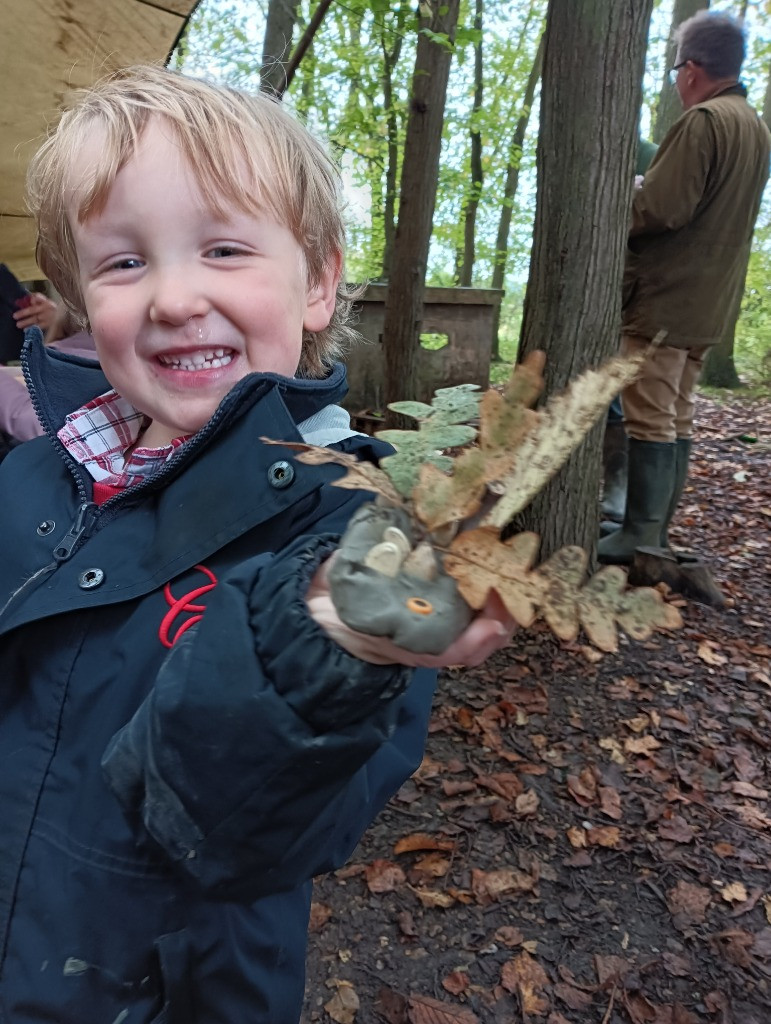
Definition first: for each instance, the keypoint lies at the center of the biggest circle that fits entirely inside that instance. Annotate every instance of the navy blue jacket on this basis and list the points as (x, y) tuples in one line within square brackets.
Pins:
[(181, 746)]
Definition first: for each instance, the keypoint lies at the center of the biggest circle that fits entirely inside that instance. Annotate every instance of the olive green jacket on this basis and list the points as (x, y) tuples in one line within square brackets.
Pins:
[(692, 223)]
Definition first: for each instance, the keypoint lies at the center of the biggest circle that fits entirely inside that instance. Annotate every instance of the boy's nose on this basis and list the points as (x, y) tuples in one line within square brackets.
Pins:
[(175, 299)]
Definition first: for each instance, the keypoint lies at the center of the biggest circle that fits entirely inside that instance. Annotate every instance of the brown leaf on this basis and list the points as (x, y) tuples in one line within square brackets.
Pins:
[(320, 914), (641, 744), (526, 804), (434, 898), (735, 892), (573, 997), (562, 425), (610, 968), (688, 903), (524, 976), (384, 876), (505, 784), (606, 835), (610, 802), (576, 837), (583, 787), (676, 830), (707, 654), (360, 476), (344, 1004), (456, 983), (489, 886), (509, 936), (425, 1010), (392, 1006), (423, 841), (441, 499), (735, 945), (479, 562), (407, 923), (559, 580)]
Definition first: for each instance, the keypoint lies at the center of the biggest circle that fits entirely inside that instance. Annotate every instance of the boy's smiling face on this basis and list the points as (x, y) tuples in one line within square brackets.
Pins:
[(182, 301)]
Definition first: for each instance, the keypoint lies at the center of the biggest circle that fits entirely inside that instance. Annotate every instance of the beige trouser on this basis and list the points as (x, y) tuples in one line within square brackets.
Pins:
[(659, 405)]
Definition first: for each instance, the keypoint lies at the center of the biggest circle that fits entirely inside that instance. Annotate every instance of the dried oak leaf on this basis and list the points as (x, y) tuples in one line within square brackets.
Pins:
[(558, 581), (604, 601), (361, 476), (562, 425), (525, 977), (441, 498), (479, 562), (425, 1010)]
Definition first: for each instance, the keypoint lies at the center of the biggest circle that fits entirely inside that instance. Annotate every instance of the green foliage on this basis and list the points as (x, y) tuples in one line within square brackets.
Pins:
[(442, 424), (340, 89)]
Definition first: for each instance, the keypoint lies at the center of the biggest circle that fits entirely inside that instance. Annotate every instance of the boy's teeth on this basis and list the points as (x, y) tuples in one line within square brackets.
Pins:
[(199, 360)]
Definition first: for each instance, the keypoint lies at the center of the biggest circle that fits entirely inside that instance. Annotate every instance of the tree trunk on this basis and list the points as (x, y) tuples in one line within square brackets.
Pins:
[(669, 107), (586, 153), (510, 190), (277, 44), (465, 267), (404, 302), (391, 54)]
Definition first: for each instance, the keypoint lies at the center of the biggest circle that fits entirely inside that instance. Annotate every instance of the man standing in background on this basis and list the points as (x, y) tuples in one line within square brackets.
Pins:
[(692, 223)]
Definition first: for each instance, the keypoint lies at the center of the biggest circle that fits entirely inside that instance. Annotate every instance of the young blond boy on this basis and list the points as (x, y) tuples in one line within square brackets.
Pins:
[(188, 733)]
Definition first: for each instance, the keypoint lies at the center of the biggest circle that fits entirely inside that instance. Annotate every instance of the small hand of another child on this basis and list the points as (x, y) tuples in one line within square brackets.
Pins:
[(490, 630), (39, 311)]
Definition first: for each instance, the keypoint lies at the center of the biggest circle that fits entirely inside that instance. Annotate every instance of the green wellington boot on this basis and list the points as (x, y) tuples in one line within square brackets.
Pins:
[(614, 469), (649, 493), (682, 457)]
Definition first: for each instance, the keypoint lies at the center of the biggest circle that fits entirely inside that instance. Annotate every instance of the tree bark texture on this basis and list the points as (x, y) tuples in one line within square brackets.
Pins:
[(586, 152), (391, 53), (417, 196), (669, 107), (465, 268), (277, 44), (510, 190)]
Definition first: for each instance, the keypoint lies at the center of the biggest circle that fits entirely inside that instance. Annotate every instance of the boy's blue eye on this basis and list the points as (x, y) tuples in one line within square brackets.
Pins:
[(131, 263), (222, 250)]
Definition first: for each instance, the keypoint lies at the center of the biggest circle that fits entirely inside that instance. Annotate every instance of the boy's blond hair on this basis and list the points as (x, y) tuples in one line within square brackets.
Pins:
[(243, 149)]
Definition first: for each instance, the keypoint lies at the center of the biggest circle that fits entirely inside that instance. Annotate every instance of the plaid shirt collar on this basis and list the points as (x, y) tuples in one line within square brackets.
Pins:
[(99, 434)]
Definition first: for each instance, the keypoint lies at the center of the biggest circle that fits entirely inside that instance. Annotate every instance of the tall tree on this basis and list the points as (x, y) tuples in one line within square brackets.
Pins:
[(391, 46), (510, 190), (277, 45), (465, 264), (586, 150), (669, 109), (417, 196)]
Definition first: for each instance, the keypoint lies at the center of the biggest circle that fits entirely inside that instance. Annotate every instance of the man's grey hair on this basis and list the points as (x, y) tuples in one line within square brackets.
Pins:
[(714, 41)]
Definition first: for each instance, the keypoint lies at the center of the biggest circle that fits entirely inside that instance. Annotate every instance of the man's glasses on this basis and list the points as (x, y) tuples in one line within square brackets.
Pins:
[(673, 71)]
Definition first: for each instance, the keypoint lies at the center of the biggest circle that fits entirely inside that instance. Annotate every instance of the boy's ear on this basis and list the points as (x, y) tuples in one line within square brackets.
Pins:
[(322, 296)]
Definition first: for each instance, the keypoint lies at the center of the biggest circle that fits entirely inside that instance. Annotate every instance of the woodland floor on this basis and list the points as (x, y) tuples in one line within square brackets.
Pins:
[(586, 841)]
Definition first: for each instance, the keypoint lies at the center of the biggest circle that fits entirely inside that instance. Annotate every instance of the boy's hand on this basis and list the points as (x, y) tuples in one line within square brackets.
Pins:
[(490, 630)]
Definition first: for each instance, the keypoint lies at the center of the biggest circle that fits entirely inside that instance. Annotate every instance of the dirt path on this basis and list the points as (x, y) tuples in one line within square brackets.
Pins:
[(585, 841)]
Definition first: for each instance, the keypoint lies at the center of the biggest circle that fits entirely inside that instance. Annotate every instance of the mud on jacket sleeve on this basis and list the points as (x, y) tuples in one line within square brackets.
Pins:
[(253, 740)]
